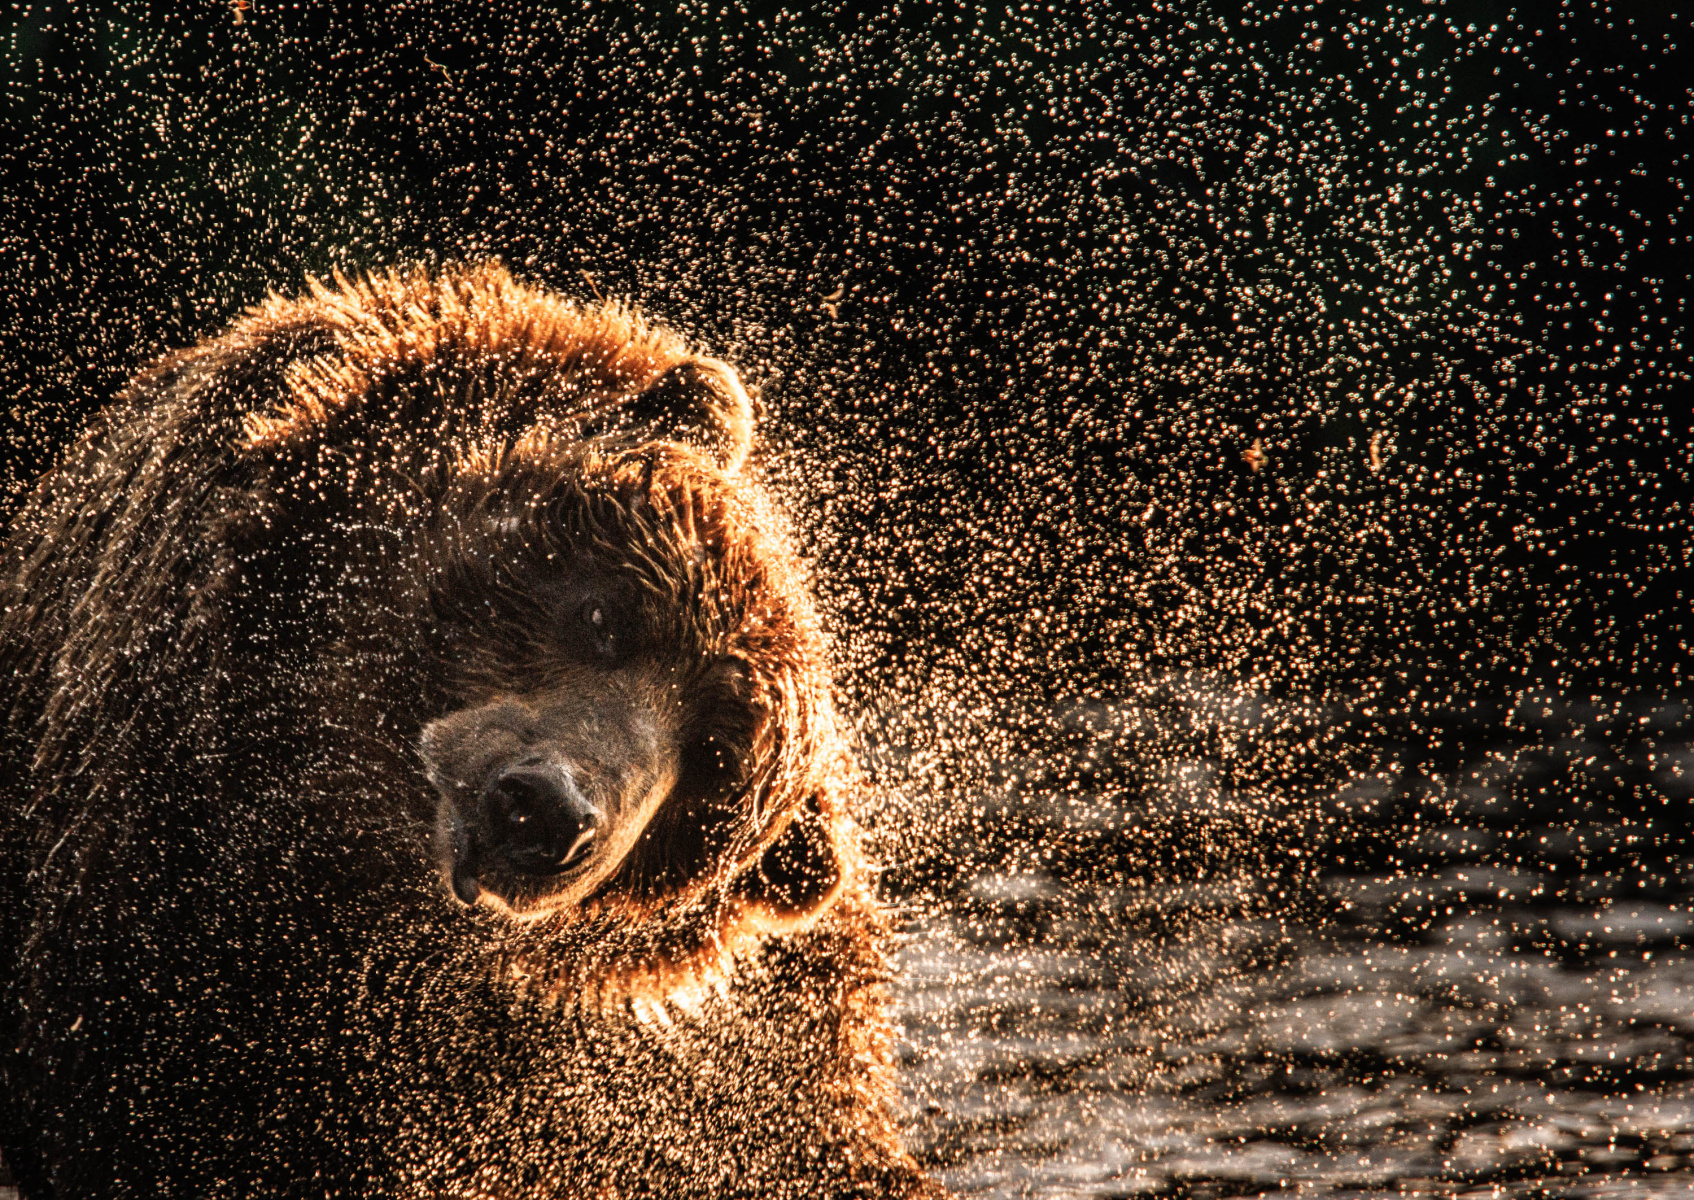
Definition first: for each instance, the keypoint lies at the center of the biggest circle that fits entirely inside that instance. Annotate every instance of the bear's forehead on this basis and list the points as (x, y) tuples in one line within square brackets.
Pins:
[(635, 513), (686, 589), (519, 538)]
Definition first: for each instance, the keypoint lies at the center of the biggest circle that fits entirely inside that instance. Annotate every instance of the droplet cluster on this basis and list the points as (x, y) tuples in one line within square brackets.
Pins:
[(1218, 430)]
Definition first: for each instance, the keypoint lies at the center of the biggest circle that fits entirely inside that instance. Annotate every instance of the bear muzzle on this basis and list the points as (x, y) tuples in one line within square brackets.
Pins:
[(530, 825), (538, 820)]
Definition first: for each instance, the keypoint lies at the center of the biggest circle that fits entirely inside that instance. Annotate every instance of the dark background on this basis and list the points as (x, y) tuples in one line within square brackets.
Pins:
[(1090, 256), (1337, 350)]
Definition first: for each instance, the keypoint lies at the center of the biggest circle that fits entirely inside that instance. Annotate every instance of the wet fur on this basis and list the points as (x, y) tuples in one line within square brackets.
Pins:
[(231, 964)]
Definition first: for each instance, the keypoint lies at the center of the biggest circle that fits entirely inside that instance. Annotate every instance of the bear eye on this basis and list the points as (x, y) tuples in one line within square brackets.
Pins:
[(597, 621)]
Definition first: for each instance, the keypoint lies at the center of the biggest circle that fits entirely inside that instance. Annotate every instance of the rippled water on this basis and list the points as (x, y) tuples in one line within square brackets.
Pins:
[(1455, 1024)]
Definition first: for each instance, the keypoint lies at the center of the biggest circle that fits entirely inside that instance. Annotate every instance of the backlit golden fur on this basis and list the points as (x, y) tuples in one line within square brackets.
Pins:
[(264, 630), (563, 363)]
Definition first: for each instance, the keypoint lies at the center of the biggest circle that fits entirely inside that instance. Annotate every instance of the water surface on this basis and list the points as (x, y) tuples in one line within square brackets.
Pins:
[(1509, 1011)]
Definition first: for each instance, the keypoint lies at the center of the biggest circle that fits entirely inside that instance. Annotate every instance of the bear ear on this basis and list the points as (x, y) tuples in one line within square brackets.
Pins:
[(800, 874), (700, 403)]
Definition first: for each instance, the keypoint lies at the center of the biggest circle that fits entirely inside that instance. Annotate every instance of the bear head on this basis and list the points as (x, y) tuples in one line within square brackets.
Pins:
[(543, 557), (636, 705)]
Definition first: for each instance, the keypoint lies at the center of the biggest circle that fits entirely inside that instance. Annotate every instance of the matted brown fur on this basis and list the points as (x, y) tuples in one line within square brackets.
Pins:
[(275, 622)]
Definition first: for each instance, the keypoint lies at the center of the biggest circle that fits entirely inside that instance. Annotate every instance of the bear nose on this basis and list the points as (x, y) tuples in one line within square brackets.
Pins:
[(538, 820)]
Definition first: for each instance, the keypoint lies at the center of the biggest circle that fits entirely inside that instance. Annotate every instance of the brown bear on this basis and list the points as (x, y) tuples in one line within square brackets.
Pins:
[(421, 779)]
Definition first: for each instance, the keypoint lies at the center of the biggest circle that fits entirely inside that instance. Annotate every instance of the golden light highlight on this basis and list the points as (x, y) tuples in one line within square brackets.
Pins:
[(573, 361)]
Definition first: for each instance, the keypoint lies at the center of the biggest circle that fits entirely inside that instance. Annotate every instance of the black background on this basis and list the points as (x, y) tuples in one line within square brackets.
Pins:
[(1089, 257)]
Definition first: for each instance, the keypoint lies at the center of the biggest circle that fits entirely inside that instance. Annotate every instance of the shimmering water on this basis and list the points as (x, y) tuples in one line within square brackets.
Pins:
[(1508, 1011)]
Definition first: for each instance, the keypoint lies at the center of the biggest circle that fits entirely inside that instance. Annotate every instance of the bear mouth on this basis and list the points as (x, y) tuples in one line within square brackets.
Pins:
[(540, 803), (521, 880)]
